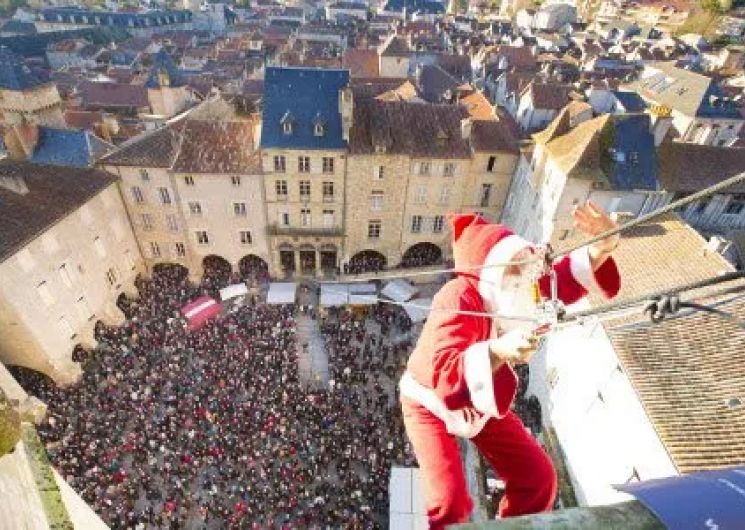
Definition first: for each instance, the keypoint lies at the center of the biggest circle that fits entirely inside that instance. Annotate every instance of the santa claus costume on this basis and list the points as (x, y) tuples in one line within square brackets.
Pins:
[(450, 389)]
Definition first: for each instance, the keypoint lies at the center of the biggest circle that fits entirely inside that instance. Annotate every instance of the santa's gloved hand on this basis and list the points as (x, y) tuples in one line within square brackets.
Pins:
[(514, 347)]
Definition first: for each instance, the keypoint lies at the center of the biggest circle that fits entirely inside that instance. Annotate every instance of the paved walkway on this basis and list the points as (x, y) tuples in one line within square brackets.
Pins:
[(313, 360)]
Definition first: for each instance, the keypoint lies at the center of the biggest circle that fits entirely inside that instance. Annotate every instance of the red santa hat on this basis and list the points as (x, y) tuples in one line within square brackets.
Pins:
[(479, 245)]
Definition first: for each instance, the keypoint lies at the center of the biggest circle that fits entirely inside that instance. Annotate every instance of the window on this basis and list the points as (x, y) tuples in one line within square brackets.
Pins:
[(328, 164), (328, 218), (373, 230), (444, 195), (99, 246), (416, 224), (448, 169), (144, 175), (235, 180), (111, 276), (246, 237), (280, 164), (437, 223), (83, 309), (180, 250), (378, 172), (45, 294), (137, 195), (376, 201), (189, 180), (239, 209), (425, 168), (318, 129), (303, 164), (304, 190), (305, 217), (165, 196), (202, 237), (736, 205), (154, 249), (147, 221), (287, 127), (280, 187), (491, 163), (65, 275), (421, 195), (328, 191), (284, 219), (172, 222), (485, 194), (195, 208)]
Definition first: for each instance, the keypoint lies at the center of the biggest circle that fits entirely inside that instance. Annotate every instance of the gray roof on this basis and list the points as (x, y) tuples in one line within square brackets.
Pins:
[(54, 193)]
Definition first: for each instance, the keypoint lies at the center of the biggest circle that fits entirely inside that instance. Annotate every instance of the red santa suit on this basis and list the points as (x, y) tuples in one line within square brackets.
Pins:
[(450, 370)]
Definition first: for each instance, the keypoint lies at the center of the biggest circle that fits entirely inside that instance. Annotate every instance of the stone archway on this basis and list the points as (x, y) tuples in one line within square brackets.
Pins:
[(216, 271), (253, 267), (366, 261), (329, 256), (307, 255), (422, 255)]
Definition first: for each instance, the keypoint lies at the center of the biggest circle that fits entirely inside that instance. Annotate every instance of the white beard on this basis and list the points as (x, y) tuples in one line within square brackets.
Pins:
[(516, 299)]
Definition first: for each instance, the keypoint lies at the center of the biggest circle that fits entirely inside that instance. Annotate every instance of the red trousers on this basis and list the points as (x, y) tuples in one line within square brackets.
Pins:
[(523, 465)]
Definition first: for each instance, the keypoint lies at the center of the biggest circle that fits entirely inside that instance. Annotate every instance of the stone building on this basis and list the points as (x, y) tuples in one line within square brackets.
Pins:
[(412, 164), (307, 115), (193, 190), (67, 252)]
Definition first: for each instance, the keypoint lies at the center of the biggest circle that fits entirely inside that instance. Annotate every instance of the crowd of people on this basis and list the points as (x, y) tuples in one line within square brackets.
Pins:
[(421, 255), (365, 262), (213, 428)]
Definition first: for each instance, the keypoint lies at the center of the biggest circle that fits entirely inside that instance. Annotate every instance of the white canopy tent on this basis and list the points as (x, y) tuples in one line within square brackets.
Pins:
[(406, 501), (232, 291), (334, 294), (281, 293), (418, 310), (362, 294), (399, 291)]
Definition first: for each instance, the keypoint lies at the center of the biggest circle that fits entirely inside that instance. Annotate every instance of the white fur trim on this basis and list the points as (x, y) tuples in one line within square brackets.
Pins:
[(454, 420), (490, 279), (478, 374), (581, 267)]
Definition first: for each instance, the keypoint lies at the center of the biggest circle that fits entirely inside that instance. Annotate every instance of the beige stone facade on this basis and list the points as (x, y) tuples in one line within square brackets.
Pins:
[(305, 194), (56, 287), (41, 105)]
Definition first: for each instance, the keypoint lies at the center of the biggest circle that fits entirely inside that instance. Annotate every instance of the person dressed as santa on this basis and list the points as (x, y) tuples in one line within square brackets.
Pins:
[(459, 379)]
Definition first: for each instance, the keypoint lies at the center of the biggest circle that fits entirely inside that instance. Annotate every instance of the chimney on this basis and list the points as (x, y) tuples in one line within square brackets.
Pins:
[(346, 109), (660, 121), (466, 124)]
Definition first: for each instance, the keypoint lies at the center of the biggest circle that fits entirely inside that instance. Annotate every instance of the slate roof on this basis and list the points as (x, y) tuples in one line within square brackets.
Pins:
[(218, 147), (19, 27), (65, 147), (162, 62), (433, 82), (395, 46), (494, 136), (414, 129), (14, 74), (634, 144), (54, 193), (153, 149), (416, 6), (688, 168), (631, 101), (304, 95), (113, 95)]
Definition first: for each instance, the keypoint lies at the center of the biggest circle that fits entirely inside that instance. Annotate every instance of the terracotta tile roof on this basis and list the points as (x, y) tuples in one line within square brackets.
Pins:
[(152, 149), (688, 168), (218, 147), (54, 192), (113, 95), (578, 149), (549, 95), (478, 106), (406, 92), (361, 62), (83, 119), (415, 129), (494, 135)]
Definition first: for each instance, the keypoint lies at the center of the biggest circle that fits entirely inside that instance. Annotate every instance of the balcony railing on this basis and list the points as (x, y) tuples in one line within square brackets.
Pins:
[(279, 230)]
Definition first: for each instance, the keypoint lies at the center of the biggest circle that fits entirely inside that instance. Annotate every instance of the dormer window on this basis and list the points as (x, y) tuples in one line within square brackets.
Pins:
[(287, 123), (318, 129)]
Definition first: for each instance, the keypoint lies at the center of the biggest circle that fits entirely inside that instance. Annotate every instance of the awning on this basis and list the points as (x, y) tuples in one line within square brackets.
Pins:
[(418, 309), (399, 291), (334, 294), (281, 293), (362, 294), (231, 291), (200, 311)]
